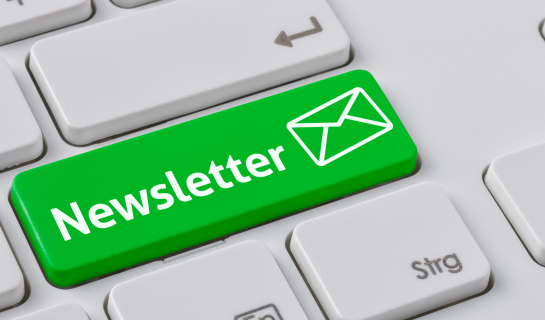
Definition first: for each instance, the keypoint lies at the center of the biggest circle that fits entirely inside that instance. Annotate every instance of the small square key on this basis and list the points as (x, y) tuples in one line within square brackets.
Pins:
[(241, 282), (516, 181), (393, 257)]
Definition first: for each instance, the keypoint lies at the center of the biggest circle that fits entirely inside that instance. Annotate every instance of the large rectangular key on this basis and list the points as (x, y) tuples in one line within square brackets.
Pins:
[(240, 282), (178, 58), (175, 188), (392, 257)]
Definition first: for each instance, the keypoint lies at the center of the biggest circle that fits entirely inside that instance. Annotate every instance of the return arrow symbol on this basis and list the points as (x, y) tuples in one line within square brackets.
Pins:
[(284, 40)]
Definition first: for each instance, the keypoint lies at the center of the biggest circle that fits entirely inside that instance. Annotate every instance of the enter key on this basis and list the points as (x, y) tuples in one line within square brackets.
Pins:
[(162, 192)]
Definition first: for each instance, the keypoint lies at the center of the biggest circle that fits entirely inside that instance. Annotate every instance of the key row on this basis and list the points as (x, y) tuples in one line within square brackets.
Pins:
[(241, 167), (144, 77), (208, 178), (373, 260), (261, 161), (20, 19)]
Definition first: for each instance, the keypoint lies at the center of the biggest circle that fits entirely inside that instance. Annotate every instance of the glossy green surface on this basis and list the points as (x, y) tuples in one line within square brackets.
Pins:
[(104, 177)]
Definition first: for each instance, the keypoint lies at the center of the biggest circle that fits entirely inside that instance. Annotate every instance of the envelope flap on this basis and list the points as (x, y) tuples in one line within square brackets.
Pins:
[(362, 108), (349, 134), (311, 138), (330, 114)]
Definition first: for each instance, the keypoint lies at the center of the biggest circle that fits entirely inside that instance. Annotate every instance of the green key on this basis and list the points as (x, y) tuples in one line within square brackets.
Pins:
[(169, 190)]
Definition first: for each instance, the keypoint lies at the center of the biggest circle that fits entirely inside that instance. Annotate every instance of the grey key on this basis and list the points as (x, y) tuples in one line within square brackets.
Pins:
[(65, 311)]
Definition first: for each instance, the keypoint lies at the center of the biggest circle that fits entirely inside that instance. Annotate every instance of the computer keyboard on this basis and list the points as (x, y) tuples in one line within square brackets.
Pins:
[(113, 114)]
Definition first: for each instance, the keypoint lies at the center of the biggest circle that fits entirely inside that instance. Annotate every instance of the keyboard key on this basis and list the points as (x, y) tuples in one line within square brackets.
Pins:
[(204, 179), (393, 257), (516, 181), (240, 282), (12, 284), (65, 311), (131, 3), (178, 58), (20, 136), (20, 19)]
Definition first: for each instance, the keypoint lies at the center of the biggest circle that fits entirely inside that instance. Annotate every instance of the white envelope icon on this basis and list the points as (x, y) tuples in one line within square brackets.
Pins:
[(380, 120)]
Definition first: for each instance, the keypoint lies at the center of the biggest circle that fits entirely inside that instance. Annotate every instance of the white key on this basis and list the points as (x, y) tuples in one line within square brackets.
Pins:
[(12, 283), (517, 182), (178, 58), (65, 311), (20, 136), (393, 257), (131, 3), (20, 19), (233, 283)]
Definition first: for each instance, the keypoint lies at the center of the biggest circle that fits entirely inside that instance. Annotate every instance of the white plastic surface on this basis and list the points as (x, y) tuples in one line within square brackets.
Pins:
[(24, 18), (12, 284), (131, 3), (234, 283), (178, 58), (467, 80), (65, 311), (20, 136), (517, 182), (392, 257)]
